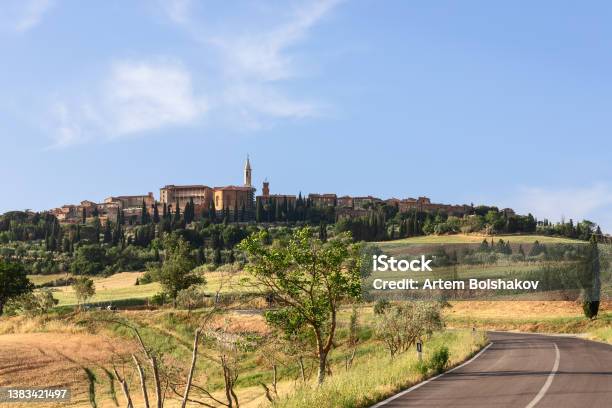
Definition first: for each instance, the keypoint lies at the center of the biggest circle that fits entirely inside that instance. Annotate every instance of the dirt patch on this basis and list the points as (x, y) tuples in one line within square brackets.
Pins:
[(57, 360)]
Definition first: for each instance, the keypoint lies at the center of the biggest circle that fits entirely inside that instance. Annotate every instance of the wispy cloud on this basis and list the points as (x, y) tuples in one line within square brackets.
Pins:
[(23, 15), (592, 202), (264, 55), (177, 10), (136, 96), (246, 73), (255, 62)]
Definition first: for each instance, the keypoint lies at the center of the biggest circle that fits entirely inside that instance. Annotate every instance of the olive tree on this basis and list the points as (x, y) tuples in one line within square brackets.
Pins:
[(84, 288), (401, 325), (309, 279)]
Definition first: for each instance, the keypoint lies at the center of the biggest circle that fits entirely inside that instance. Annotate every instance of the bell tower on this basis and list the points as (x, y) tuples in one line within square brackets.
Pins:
[(247, 172)]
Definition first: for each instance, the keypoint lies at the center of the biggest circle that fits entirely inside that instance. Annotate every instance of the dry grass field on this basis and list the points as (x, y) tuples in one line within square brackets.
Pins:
[(58, 359)]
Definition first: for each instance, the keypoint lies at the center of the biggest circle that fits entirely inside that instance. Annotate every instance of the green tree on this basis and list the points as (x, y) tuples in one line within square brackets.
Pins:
[(592, 290), (84, 288), (259, 212), (108, 233), (309, 279), (97, 229), (175, 273), (13, 282), (35, 303), (144, 214), (89, 260), (155, 213)]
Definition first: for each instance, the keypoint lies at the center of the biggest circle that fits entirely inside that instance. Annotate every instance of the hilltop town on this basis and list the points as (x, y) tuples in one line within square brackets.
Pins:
[(239, 202)]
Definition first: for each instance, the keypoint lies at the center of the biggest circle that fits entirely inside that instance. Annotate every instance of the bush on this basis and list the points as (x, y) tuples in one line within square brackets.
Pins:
[(159, 299), (381, 306), (190, 298), (439, 360), (422, 368)]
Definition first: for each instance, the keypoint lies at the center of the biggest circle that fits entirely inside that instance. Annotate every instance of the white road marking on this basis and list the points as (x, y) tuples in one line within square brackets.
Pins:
[(549, 380), (414, 387)]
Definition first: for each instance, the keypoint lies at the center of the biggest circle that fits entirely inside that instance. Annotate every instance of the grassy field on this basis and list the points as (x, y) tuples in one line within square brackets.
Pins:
[(122, 286), (476, 239), (41, 279), (119, 286), (375, 376)]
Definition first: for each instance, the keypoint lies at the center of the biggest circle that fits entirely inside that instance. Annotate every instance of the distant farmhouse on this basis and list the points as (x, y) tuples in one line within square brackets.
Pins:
[(230, 199)]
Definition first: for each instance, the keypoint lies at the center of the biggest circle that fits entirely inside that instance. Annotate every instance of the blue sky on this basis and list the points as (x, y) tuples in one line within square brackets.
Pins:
[(471, 101)]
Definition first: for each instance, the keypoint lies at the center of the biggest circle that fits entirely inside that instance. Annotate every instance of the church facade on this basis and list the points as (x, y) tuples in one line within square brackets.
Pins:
[(225, 198)]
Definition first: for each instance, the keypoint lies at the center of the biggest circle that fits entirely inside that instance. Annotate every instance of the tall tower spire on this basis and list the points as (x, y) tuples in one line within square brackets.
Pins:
[(247, 172)]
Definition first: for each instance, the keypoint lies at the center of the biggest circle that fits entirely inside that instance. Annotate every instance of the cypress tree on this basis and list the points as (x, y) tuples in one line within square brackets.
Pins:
[(108, 235), (592, 292), (259, 211), (277, 212), (155, 213), (144, 214)]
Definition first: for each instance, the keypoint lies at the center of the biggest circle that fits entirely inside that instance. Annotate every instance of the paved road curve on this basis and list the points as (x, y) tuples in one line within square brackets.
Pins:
[(522, 370)]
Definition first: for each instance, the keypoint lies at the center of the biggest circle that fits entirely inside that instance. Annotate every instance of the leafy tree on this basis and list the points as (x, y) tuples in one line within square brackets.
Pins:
[(84, 288), (13, 282), (35, 303), (309, 279), (401, 326), (175, 273), (89, 260)]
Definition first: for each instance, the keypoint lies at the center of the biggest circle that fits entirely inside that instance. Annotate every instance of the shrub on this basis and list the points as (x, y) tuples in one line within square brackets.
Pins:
[(381, 306), (159, 299), (439, 360), (422, 368)]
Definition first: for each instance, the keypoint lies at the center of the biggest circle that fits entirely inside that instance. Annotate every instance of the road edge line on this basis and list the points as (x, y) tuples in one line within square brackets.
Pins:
[(549, 380), (414, 387)]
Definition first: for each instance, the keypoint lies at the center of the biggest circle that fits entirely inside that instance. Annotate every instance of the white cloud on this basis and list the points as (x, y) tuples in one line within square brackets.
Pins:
[(263, 55), (245, 73), (23, 15), (143, 96), (137, 96), (177, 10), (590, 202), (255, 64)]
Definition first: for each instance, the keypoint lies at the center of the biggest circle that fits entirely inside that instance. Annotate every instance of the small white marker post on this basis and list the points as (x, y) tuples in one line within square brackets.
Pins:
[(419, 347)]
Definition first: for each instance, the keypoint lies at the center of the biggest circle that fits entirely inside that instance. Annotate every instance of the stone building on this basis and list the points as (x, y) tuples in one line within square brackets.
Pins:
[(201, 195), (266, 199), (131, 201), (345, 202), (323, 200), (225, 197), (365, 202)]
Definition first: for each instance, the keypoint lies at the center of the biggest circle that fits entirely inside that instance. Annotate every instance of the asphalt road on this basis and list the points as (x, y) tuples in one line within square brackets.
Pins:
[(521, 370)]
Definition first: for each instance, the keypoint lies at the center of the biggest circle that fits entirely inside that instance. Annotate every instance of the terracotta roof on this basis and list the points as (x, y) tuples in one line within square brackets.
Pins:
[(172, 186), (235, 188)]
